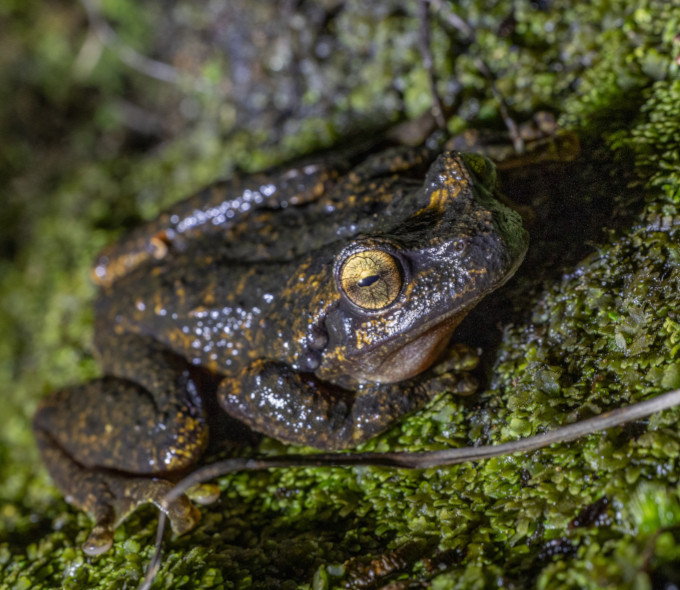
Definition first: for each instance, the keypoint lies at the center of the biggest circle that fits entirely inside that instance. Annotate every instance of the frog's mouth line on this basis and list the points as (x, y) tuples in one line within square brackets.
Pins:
[(420, 352), (416, 355)]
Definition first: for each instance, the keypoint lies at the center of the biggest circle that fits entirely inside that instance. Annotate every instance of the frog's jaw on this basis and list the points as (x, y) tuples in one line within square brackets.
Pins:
[(419, 348), (413, 357)]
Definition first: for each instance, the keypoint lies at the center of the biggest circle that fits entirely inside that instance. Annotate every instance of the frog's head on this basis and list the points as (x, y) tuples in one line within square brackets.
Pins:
[(404, 289)]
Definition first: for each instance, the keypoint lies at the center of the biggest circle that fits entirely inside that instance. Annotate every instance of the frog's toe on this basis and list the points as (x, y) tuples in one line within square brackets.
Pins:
[(456, 383), (466, 384), (204, 493), (98, 541), (183, 515), (457, 357), (181, 512), (451, 373), (100, 538), (132, 492)]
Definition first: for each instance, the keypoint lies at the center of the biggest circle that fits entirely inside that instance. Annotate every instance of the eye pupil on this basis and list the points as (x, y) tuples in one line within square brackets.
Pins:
[(368, 281)]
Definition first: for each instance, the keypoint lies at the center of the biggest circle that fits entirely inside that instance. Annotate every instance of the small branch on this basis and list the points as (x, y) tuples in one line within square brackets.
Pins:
[(407, 460), (469, 35), (454, 20), (428, 62), (129, 56)]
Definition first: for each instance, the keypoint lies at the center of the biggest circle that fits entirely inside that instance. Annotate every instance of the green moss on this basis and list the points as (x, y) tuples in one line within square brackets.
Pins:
[(655, 141), (593, 335)]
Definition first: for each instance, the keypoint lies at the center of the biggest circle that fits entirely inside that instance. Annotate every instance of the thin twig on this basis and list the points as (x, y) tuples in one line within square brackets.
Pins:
[(454, 20), (131, 57), (470, 37), (408, 460), (428, 62)]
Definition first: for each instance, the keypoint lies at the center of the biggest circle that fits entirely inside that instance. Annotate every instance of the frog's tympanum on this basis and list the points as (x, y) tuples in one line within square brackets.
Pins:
[(315, 300)]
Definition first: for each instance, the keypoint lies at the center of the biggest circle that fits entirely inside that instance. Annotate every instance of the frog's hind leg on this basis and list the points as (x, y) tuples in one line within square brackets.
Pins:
[(109, 497), (110, 444)]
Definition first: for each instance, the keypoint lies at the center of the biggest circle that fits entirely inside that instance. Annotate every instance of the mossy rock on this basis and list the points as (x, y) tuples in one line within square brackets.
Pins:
[(92, 144)]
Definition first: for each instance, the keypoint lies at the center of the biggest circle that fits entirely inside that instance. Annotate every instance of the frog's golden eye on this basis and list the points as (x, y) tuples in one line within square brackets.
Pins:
[(371, 279)]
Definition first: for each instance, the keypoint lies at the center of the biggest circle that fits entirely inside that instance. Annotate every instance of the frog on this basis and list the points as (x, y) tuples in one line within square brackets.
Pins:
[(313, 303)]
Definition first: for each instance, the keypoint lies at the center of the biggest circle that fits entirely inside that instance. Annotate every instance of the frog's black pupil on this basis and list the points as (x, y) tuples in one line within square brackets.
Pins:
[(368, 281)]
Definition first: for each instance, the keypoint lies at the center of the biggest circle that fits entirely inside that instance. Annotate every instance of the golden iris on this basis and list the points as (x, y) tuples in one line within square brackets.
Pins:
[(371, 279)]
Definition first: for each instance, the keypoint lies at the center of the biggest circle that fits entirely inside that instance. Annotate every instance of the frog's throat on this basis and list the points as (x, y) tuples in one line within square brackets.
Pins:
[(415, 356)]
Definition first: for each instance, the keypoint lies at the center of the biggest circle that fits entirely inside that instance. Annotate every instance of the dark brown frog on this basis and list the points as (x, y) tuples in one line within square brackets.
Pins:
[(315, 300)]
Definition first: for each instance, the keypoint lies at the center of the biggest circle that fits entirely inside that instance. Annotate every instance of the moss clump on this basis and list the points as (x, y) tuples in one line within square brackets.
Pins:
[(655, 141)]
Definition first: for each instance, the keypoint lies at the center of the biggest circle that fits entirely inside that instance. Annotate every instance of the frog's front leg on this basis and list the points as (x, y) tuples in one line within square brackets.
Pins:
[(109, 445), (298, 408)]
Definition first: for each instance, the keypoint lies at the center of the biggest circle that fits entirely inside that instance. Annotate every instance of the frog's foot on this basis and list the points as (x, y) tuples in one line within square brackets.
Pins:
[(109, 497), (100, 538), (451, 373), (204, 493), (181, 512), (456, 358), (125, 495), (456, 383)]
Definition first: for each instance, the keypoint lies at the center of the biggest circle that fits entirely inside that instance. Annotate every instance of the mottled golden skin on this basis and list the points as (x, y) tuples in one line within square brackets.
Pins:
[(308, 302)]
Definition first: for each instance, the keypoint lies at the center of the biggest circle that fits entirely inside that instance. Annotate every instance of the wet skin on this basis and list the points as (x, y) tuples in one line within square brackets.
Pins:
[(314, 299)]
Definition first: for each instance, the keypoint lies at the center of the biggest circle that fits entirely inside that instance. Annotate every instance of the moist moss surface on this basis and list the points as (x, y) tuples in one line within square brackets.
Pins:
[(93, 142)]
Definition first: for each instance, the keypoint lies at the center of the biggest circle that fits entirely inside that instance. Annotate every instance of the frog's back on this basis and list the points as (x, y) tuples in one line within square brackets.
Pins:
[(209, 309), (260, 215), (260, 283)]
